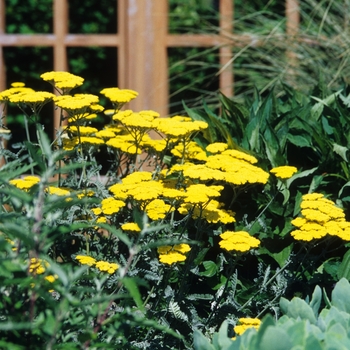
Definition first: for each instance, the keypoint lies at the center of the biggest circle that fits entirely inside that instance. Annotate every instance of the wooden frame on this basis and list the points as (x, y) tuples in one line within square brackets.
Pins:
[(142, 40)]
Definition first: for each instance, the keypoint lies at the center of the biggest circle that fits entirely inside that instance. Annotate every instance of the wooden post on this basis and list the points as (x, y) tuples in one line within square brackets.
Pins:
[(292, 27), (226, 63), (60, 27), (146, 54)]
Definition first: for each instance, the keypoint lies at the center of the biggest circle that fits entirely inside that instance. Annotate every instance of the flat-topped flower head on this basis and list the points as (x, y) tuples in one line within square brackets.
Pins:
[(111, 205), (105, 266), (200, 194), (32, 97), (157, 209), (26, 183), (64, 81), (18, 88), (178, 126), (284, 172), (320, 217), (239, 241), (131, 226), (217, 147), (119, 96), (78, 106), (172, 254), (86, 260)]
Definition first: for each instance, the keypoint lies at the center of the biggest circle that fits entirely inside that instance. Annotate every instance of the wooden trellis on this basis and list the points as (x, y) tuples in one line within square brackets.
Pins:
[(142, 40)]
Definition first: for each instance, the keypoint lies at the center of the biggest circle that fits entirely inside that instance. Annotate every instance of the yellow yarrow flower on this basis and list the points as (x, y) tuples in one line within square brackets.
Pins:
[(110, 206), (26, 183), (284, 172), (157, 209), (105, 266), (246, 323), (177, 128), (38, 266), (86, 260), (320, 217), (32, 98), (57, 191), (119, 96), (131, 226), (9, 93), (170, 255), (239, 241), (217, 147), (62, 80), (201, 194)]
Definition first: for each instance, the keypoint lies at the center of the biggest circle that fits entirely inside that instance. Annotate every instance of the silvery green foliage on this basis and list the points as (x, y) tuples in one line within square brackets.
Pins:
[(302, 326)]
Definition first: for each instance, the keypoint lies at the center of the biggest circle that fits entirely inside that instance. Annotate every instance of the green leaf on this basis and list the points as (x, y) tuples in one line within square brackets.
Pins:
[(299, 140), (341, 151), (316, 300), (344, 268), (283, 255), (300, 175), (200, 342), (272, 339), (298, 308), (340, 295), (223, 340), (210, 269), (131, 286)]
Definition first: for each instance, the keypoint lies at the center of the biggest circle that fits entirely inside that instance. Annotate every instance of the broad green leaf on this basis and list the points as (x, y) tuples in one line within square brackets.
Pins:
[(302, 174), (316, 300), (299, 140), (283, 255), (341, 295), (271, 340), (200, 342), (341, 151), (344, 268), (210, 269)]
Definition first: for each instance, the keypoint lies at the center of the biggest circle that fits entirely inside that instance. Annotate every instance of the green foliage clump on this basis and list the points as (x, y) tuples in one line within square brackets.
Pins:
[(182, 227), (303, 326)]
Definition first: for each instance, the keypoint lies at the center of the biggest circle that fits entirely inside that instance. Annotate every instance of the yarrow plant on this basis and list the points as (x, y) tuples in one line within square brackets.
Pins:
[(152, 248)]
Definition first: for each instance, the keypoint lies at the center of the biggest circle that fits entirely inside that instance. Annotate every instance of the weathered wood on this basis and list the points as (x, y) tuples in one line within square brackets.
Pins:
[(226, 60)]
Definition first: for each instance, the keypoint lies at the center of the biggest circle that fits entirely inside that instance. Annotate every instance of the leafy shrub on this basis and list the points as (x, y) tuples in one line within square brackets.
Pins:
[(171, 234)]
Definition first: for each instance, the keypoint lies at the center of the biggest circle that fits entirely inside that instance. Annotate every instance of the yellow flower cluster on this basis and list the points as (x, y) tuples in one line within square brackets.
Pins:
[(110, 205), (78, 105), (26, 183), (16, 88), (103, 266), (320, 217), (32, 97), (63, 80), (172, 254), (38, 267), (212, 212), (178, 126), (119, 96), (246, 323), (284, 172), (131, 226), (239, 241), (57, 191), (190, 151)]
